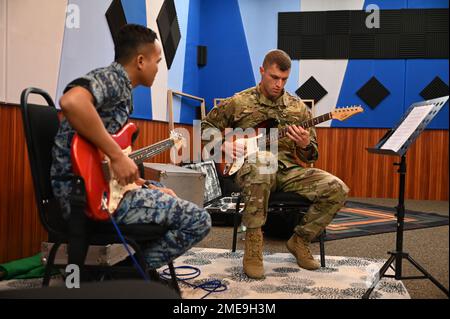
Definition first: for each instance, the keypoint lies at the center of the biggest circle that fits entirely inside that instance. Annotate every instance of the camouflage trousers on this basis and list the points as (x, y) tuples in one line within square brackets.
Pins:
[(326, 192), (186, 223)]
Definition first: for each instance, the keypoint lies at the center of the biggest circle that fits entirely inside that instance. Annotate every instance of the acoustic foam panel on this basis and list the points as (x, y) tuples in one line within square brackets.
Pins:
[(436, 88), (403, 34), (169, 30), (115, 15), (373, 92), (311, 90)]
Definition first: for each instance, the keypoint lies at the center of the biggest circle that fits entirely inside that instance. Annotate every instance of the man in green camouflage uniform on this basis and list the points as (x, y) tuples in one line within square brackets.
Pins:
[(326, 192)]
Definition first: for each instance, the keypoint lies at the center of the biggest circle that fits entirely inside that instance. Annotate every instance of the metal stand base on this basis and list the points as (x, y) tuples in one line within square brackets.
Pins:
[(398, 255), (401, 255)]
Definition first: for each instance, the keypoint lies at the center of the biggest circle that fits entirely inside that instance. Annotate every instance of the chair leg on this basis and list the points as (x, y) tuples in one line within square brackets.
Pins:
[(322, 248), (153, 274), (50, 263), (174, 278), (235, 229), (236, 223)]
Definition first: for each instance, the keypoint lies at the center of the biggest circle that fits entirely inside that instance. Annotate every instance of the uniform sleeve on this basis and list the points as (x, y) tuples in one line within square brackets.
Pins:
[(219, 118), (94, 85), (311, 153)]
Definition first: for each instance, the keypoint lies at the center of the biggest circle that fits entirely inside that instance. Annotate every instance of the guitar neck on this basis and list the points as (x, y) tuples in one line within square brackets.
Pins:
[(282, 132), (145, 153)]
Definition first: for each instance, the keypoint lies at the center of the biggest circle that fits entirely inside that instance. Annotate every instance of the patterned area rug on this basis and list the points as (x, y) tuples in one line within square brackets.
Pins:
[(342, 278), (359, 219)]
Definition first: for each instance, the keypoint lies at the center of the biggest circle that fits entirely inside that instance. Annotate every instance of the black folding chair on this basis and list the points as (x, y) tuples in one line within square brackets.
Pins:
[(79, 232)]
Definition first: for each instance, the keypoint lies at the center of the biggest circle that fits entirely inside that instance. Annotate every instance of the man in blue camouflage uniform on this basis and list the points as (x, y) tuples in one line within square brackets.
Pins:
[(99, 104), (247, 109)]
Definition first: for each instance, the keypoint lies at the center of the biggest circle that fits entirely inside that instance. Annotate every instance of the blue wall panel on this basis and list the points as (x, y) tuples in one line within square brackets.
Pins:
[(391, 73), (191, 70), (229, 68), (136, 12), (417, 4), (420, 72)]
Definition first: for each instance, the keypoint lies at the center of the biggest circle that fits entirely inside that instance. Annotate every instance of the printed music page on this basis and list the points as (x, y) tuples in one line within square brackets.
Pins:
[(408, 126)]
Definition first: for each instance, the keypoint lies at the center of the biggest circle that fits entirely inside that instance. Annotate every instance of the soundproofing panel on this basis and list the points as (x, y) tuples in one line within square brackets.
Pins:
[(115, 15), (169, 30), (402, 34), (373, 92), (435, 89), (201, 55), (311, 90)]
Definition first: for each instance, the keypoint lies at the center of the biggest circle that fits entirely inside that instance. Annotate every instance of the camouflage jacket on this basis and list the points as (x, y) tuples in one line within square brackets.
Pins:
[(250, 107), (111, 89)]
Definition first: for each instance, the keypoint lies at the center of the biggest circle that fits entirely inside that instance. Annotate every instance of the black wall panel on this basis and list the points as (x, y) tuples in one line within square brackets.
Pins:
[(403, 34)]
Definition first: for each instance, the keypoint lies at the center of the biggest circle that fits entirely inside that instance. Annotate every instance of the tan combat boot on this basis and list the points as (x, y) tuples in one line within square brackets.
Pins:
[(299, 247), (253, 259)]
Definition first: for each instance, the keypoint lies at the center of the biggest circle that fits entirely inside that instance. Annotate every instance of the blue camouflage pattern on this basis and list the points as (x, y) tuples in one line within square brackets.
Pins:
[(186, 223), (111, 89)]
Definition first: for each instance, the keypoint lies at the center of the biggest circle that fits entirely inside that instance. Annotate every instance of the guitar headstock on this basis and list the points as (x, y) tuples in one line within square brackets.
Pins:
[(178, 140), (344, 113)]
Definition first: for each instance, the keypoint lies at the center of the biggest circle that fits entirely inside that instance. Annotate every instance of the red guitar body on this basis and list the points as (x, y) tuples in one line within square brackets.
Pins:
[(87, 163)]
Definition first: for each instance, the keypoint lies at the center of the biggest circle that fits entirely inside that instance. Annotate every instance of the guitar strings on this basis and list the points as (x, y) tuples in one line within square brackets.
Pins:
[(150, 150)]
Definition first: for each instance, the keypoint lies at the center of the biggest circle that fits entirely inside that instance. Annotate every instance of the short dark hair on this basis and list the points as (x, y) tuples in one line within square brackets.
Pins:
[(278, 57), (129, 39)]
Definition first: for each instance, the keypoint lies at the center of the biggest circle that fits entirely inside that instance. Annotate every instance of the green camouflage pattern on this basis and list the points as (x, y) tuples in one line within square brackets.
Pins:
[(326, 192), (248, 108)]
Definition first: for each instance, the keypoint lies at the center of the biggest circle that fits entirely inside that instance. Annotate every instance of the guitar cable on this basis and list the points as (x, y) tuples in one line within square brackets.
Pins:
[(136, 264), (209, 286)]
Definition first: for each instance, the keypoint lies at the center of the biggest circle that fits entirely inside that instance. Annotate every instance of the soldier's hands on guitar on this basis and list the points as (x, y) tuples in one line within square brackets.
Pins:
[(299, 135), (235, 149)]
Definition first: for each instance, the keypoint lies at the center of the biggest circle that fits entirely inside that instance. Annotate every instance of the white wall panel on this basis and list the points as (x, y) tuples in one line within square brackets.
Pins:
[(88, 47), (329, 73), (33, 47), (159, 88), (176, 72)]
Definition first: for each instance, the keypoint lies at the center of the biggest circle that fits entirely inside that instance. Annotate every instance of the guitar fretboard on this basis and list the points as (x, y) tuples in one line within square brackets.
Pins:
[(142, 154), (282, 132)]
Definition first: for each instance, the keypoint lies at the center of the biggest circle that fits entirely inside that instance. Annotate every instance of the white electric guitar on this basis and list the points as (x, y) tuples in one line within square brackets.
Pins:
[(252, 143)]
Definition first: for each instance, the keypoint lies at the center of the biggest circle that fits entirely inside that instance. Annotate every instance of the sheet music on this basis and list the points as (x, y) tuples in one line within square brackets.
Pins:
[(408, 126)]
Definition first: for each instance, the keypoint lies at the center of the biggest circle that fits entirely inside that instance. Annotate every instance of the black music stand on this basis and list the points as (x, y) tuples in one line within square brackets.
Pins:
[(396, 142)]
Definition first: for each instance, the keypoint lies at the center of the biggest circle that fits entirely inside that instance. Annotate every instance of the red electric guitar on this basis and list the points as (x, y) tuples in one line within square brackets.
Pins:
[(103, 192)]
